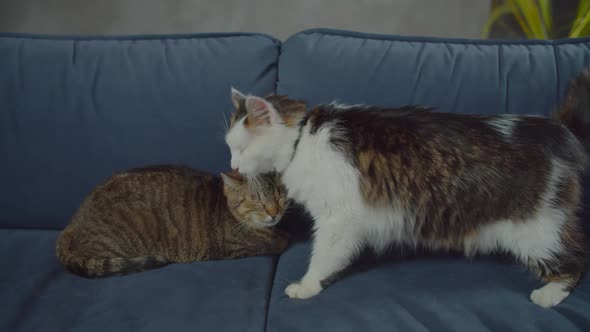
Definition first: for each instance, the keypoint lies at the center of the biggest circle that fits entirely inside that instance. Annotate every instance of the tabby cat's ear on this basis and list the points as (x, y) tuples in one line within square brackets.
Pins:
[(260, 111), (232, 179), (237, 97)]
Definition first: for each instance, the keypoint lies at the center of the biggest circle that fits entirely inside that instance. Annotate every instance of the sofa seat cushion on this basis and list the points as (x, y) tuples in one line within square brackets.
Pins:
[(38, 295), (423, 293)]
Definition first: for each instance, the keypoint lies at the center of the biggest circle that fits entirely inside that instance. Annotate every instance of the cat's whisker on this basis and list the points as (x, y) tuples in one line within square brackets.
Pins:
[(242, 229), (255, 186), (223, 126), (225, 123), (237, 229), (245, 230)]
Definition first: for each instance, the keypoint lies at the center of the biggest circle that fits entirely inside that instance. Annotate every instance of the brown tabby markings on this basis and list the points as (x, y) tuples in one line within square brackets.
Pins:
[(149, 217), (292, 111)]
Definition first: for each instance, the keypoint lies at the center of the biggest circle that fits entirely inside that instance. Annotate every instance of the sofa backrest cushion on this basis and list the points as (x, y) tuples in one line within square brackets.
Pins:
[(75, 110), (478, 77)]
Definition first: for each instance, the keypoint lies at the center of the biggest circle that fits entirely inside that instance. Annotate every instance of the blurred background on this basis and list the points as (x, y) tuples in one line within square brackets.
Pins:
[(281, 18)]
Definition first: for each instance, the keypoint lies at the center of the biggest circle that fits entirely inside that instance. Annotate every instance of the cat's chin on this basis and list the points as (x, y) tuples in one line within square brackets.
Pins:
[(253, 172), (266, 224), (254, 167)]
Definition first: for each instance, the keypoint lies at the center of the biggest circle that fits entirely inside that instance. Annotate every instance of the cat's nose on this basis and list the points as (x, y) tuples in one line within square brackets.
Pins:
[(235, 169), (272, 211), (234, 164)]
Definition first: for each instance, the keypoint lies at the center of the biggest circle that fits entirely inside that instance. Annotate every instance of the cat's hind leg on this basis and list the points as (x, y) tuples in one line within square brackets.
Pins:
[(551, 245), (557, 237), (555, 291), (563, 270)]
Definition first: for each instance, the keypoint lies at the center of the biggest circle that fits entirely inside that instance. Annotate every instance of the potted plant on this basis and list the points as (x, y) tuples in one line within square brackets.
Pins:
[(538, 19)]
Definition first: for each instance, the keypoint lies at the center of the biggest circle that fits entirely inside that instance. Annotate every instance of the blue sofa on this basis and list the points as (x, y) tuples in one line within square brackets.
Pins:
[(75, 109)]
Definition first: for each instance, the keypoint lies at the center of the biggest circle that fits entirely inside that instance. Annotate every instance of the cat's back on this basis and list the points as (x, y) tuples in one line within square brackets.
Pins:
[(162, 173), (158, 181), (425, 121), (154, 189), (383, 129)]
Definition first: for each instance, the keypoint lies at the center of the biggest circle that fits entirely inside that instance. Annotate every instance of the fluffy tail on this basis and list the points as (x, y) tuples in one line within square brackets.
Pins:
[(574, 111), (91, 267)]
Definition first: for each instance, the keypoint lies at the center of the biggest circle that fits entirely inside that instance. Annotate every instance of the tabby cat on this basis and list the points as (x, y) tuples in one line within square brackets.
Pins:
[(148, 217), (375, 176)]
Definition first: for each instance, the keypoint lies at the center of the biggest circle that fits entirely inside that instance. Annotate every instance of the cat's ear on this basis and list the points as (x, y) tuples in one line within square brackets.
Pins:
[(237, 98), (260, 111), (232, 179)]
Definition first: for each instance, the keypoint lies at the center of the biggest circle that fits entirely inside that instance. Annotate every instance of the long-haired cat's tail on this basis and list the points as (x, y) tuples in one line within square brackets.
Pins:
[(574, 112), (93, 267)]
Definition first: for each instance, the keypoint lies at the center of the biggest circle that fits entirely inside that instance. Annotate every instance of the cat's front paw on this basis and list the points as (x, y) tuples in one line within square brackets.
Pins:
[(548, 296), (300, 290)]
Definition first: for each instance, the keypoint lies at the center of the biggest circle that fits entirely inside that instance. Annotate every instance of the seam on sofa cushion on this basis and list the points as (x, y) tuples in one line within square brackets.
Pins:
[(278, 62), (579, 40), (214, 35), (505, 94), (275, 263), (437, 40), (26, 228), (556, 76)]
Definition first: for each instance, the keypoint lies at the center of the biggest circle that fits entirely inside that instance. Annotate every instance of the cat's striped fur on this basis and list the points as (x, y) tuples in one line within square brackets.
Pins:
[(149, 217)]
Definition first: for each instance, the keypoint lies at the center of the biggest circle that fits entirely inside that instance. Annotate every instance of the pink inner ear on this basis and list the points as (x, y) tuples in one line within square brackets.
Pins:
[(258, 107)]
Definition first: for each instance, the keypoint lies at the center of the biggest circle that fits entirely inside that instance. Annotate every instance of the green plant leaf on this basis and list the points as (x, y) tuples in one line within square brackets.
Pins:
[(520, 19), (495, 15), (583, 7), (535, 18), (545, 6), (580, 26), (532, 18)]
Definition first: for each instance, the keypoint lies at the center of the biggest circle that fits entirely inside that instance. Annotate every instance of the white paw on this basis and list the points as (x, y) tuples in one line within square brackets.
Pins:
[(299, 290), (549, 295)]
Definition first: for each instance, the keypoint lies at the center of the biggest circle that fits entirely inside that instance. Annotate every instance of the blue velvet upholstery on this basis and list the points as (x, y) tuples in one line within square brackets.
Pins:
[(571, 57), (426, 293), (74, 110), (459, 76), (38, 295)]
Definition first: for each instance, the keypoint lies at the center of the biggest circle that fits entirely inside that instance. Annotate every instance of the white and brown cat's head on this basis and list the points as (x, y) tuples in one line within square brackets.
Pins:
[(262, 132), (258, 201)]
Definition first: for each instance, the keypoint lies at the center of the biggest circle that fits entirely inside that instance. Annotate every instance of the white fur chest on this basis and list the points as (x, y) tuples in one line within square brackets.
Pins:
[(329, 186), (321, 178)]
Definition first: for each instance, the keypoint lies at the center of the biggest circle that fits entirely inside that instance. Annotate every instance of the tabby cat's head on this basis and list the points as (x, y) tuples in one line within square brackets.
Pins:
[(257, 202)]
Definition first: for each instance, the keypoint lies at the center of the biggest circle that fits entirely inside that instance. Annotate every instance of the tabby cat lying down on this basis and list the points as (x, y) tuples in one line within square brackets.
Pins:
[(149, 217)]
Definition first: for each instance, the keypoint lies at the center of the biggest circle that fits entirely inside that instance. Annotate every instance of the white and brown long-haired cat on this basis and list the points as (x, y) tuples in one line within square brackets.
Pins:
[(377, 177)]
